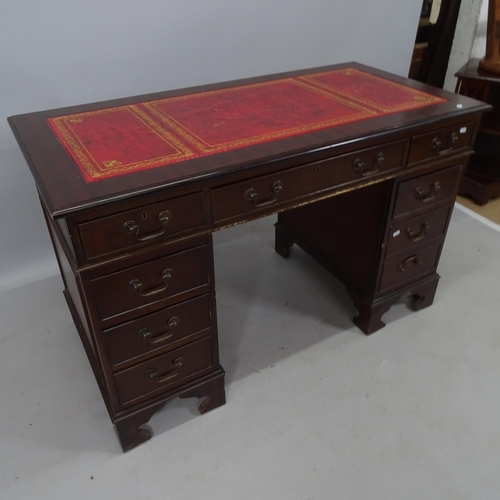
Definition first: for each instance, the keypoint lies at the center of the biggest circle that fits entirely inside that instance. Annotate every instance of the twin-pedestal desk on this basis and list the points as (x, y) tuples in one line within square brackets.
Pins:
[(362, 168)]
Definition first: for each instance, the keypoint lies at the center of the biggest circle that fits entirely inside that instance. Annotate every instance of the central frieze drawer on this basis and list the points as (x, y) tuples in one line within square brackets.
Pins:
[(426, 191), (165, 372), (274, 189), (153, 281), (160, 330), (148, 224)]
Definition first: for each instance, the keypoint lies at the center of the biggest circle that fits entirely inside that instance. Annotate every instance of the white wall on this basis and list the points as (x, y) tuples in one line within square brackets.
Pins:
[(62, 52)]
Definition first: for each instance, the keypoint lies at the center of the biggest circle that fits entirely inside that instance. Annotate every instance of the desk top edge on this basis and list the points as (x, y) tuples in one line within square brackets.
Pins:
[(72, 195)]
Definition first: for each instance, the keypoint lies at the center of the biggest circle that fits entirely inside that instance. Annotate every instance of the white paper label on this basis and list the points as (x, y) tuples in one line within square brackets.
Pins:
[(463, 130), (396, 233)]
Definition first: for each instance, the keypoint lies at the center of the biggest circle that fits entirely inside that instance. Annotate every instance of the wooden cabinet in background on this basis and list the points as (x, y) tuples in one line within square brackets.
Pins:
[(481, 180)]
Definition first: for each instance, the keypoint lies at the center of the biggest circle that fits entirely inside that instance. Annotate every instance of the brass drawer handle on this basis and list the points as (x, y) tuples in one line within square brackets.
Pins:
[(174, 373), (359, 166), (136, 285), (252, 195), (436, 144), (145, 333), (414, 259), (416, 237), (131, 227), (425, 197)]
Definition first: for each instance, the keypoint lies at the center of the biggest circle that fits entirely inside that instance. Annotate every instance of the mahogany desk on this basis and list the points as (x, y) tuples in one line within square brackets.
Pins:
[(361, 166)]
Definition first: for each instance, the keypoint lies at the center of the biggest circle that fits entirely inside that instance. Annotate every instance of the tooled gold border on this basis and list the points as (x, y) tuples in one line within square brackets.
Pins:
[(93, 170), (205, 147), (92, 167), (422, 98)]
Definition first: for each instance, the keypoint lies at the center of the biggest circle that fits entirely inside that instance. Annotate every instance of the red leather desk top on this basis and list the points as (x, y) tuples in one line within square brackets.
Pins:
[(119, 140)]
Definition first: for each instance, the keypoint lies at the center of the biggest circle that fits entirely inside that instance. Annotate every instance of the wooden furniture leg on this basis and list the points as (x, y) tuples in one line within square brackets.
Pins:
[(369, 319), (282, 243), (370, 315), (213, 392), (129, 431), (423, 293)]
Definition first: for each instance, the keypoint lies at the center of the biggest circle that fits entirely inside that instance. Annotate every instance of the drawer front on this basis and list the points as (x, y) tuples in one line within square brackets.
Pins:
[(148, 224), (417, 230), (441, 142), (165, 372), (426, 191), (409, 267), (153, 281), (274, 189), (159, 330)]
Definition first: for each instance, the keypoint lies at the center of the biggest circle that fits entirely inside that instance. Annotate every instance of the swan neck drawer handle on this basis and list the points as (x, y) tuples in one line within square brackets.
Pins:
[(252, 196), (169, 376), (145, 333), (436, 144), (416, 237), (414, 259), (424, 197), (136, 285), (131, 227), (359, 166)]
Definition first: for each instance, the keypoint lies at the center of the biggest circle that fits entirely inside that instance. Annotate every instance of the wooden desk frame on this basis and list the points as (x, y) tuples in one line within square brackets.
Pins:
[(371, 201)]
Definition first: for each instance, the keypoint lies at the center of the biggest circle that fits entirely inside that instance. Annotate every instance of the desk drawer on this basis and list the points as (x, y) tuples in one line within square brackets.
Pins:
[(159, 330), (441, 142), (426, 191), (165, 372), (409, 267), (274, 189), (147, 224), (150, 282), (417, 230)]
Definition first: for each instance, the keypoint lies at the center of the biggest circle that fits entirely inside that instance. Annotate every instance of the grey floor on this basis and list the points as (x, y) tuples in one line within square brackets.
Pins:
[(315, 410)]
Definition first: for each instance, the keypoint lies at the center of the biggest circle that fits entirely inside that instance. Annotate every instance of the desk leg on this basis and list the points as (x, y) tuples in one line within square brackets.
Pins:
[(213, 392), (370, 315), (282, 243), (422, 294), (370, 311), (130, 430)]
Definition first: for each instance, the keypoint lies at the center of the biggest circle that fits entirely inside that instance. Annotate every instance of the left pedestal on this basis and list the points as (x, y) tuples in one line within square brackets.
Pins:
[(148, 322)]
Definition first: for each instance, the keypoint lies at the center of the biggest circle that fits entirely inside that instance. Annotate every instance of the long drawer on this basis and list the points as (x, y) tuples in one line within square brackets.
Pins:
[(158, 331), (165, 372), (153, 281), (274, 189)]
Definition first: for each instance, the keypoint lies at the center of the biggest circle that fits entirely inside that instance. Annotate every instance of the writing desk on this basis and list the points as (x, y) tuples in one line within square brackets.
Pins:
[(361, 166)]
